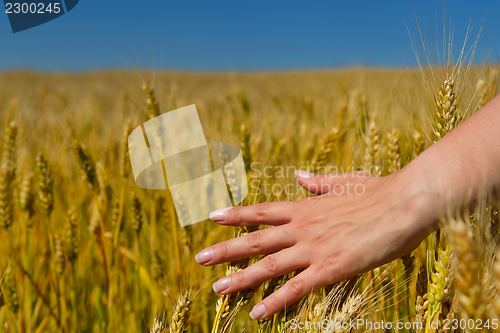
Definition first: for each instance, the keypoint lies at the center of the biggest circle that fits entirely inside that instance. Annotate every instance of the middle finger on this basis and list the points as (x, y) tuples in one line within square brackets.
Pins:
[(258, 242)]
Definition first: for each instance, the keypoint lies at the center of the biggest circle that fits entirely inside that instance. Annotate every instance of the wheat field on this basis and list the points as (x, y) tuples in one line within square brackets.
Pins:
[(83, 249)]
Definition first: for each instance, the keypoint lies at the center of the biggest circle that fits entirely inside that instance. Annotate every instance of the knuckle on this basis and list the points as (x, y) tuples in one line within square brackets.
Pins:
[(286, 233), (235, 214), (221, 250), (333, 269), (237, 278), (308, 222), (295, 286), (270, 263), (331, 261), (313, 187), (261, 210), (272, 303), (255, 240), (306, 202)]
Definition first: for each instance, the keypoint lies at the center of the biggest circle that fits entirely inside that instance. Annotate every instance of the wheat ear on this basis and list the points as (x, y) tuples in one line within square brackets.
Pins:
[(421, 302), (45, 184), (151, 102), (135, 210), (158, 326), (321, 156), (27, 198), (467, 281), (87, 166), (6, 202), (447, 114), (438, 286), (393, 151), (59, 252), (71, 242), (349, 312), (418, 143), (495, 309), (372, 146), (180, 318), (9, 146), (10, 289)]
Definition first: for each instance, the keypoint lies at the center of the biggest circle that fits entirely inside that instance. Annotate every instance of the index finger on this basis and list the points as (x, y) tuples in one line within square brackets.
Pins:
[(270, 213)]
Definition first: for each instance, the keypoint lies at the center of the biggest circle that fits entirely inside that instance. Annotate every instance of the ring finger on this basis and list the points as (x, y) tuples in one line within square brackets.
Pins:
[(271, 266)]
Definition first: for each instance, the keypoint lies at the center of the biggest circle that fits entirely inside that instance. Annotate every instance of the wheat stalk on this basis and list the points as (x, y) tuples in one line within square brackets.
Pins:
[(125, 158), (245, 147), (495, 309)]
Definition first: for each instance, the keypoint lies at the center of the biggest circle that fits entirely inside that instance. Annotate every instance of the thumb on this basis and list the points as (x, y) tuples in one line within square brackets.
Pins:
[(320, 184)]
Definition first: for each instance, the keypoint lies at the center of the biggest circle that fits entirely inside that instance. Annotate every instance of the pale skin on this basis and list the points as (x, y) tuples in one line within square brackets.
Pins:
[(335, 236)]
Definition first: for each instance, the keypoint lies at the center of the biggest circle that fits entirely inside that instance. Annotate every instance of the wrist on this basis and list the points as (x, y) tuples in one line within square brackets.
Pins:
[(419, 197)]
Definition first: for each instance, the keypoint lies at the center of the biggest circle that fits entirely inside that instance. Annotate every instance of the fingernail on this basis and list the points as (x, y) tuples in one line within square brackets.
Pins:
[(303, 174), (222, 284), (219, 215), (258, 311), (204, 256)]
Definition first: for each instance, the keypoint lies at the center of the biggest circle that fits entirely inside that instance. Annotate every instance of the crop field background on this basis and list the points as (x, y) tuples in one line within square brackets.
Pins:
[(83, 249)]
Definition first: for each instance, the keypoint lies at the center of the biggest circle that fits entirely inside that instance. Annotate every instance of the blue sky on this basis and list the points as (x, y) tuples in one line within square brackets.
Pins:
[(238, 35)]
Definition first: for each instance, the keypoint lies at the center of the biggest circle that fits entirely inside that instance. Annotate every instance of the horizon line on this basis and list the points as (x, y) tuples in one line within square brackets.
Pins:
[(221, 71)]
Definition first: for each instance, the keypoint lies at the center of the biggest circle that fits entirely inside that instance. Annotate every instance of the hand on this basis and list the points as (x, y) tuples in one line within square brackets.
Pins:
[(356, 223)]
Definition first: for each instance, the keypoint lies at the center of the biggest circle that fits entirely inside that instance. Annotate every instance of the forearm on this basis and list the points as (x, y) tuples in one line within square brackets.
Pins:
[(464, 160)]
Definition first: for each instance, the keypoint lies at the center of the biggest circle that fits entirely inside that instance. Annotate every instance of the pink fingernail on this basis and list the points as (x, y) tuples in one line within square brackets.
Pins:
[(219, 215), (304, 174), (258, 311), (204, 256), (222, 284)]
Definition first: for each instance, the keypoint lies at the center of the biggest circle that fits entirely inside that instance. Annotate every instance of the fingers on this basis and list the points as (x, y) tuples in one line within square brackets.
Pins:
[(273, 265), (271, 213), (321, 184), (254, 243), (291, 292)]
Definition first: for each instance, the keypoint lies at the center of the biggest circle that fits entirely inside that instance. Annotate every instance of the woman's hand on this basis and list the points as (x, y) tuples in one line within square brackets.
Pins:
[(356, 223)]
